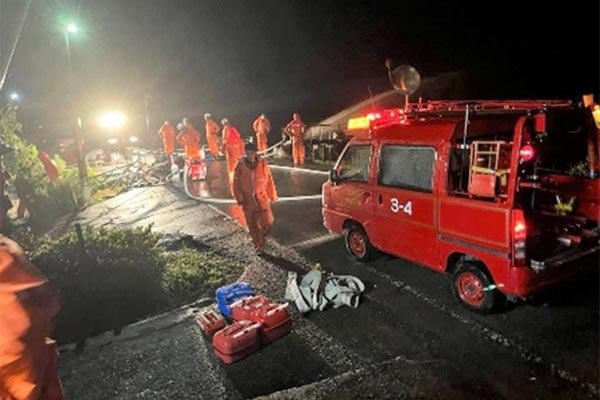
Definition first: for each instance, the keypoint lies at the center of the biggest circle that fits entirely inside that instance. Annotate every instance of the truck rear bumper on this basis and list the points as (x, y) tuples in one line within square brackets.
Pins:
[(563, 258), (527, 281)]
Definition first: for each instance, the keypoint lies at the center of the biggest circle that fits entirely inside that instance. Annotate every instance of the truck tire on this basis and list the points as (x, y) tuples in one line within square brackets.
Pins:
[(474, 289), (357, 243)]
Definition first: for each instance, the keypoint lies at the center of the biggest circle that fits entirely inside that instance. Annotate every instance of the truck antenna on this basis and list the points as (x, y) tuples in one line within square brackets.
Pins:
[(371, 97)]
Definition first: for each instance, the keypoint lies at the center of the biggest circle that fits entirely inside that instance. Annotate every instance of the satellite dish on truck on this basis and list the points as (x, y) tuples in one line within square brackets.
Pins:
[(404, 78)]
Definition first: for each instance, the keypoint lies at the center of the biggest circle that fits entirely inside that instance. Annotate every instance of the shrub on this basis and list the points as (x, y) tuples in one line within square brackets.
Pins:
[(122, 276), (47, 200), (115, 280)]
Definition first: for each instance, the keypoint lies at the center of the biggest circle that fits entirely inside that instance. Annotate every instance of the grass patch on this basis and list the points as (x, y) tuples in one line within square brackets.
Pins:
[(121, 276), (191, 273)]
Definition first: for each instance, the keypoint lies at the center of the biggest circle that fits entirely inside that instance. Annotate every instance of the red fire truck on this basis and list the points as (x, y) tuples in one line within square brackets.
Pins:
[(502, 195)]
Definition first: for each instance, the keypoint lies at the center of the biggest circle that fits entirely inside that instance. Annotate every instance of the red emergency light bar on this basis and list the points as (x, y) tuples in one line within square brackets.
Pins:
[(382, 117), (386, 114)]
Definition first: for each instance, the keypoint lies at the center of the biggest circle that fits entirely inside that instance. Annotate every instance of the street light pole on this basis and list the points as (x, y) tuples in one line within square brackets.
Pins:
[(83, 178)]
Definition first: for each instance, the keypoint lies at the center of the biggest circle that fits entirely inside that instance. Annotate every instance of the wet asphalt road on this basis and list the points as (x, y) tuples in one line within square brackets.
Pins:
[(304, 217), (545, 348)]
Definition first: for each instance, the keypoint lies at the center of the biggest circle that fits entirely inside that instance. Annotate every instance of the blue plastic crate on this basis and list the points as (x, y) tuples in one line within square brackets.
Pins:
[(226, 295)]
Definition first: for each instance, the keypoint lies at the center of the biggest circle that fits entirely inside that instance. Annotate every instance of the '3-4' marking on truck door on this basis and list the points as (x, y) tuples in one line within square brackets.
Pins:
[(396, 206)]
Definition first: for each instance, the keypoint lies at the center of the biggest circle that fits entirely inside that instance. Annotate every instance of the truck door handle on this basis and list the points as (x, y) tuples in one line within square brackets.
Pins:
[(380, 199)]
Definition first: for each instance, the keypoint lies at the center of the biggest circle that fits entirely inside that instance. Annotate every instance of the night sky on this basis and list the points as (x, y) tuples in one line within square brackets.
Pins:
[(240, 58)]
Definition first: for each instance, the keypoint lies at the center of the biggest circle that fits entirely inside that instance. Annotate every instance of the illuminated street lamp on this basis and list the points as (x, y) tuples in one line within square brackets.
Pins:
[(14, 96), (112, 120), (72, 28)]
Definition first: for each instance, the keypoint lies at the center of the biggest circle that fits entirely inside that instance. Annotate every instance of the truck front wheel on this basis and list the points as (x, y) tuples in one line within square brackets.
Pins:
[(357, 243), (474, 289)]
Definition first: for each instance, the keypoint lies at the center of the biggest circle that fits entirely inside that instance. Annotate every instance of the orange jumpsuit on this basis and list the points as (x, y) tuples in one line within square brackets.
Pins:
[(189, 138), (167, 134), (261, 126), (27, 307), (295, 130), (232, 147), (254, 190), (212, 138)]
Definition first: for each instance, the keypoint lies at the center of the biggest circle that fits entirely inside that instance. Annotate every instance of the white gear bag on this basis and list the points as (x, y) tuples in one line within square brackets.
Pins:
[(312, 294)]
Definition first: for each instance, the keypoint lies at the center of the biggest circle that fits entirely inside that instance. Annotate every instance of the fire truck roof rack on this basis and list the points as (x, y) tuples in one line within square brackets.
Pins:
[(437, 109), (495, 106)]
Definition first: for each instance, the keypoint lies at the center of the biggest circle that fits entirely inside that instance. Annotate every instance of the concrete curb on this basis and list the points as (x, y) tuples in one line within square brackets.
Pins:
[(144, 327), (320, 388)]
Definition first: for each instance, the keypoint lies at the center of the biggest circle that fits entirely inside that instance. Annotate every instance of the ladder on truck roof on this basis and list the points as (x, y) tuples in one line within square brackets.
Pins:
[(459, 106)]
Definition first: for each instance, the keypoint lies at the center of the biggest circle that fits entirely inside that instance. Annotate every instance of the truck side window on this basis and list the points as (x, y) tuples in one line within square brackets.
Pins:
[(355, 164), (407, 167)]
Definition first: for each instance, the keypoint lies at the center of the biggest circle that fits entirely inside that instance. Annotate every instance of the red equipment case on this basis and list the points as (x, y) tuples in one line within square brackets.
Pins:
[(243, 308), (210, 321), (274, 319), (237, 341), (196, 169)]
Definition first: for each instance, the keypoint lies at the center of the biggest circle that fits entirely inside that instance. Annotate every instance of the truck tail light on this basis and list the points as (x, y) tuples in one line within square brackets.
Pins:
[(527, 153), (519, 238)]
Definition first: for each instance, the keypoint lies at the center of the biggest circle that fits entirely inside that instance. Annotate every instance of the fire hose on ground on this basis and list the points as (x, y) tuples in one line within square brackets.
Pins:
[(269, 152), (232, 201)]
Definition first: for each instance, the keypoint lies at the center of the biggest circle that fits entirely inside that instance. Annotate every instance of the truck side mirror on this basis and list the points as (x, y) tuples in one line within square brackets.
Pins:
[(333, 175)]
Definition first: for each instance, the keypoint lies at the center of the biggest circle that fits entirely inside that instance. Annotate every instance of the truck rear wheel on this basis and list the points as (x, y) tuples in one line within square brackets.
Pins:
[(474, 289), (357, 243)]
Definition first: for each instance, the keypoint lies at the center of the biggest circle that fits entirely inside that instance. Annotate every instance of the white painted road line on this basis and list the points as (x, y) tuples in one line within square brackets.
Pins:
[(314, 241), (308, 171), (232, 201)]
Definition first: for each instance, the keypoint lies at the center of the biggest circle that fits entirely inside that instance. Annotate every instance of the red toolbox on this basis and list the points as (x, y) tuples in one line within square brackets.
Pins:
[(274, 319), (242, 309), (210, 321), (237, 341)]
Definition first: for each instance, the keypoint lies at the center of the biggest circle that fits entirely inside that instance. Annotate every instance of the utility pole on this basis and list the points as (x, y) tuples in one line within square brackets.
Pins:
[(83, 178)]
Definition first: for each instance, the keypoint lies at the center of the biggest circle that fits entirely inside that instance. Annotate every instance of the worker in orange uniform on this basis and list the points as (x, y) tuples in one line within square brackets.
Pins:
[(262, 127), (254, 190), (189, 138), (593, 140), (212, 134), (233, 148), (295, 130), (28, 307), (167, 134)]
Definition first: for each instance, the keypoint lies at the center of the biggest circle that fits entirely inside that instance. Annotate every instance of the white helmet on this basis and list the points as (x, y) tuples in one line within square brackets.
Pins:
[(224, 121), (207, 115), (180, 126)]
